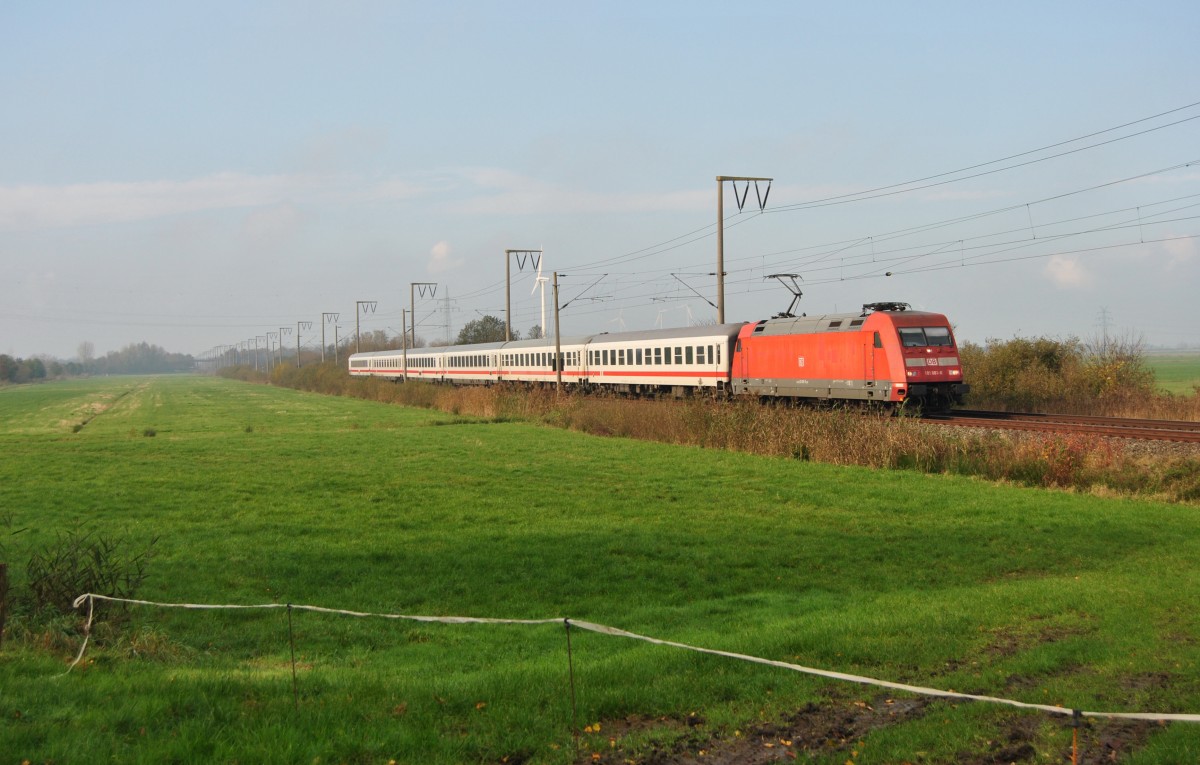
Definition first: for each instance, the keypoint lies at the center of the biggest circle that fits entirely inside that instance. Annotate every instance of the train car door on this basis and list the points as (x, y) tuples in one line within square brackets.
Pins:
[(878, 364), (740, 366)]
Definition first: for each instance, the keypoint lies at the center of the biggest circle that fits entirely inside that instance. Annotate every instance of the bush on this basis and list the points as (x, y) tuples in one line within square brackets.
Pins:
[(1107, 377), (81, 562)]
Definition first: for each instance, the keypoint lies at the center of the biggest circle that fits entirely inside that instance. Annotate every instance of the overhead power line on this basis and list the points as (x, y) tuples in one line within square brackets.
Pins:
[(898, 188)]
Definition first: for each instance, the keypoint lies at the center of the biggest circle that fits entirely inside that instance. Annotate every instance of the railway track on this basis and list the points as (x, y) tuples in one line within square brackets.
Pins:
[(1112, 427)]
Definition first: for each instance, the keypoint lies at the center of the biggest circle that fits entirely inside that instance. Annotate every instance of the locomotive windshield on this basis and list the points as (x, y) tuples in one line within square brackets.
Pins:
[(920, 337)]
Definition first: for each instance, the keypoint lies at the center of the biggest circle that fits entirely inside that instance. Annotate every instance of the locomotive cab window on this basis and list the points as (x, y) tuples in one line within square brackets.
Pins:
[(938, 336), (912, 337), (920, 337)]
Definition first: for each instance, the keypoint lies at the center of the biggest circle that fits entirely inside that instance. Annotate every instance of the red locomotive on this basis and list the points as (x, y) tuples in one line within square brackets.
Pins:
[(887, 353)]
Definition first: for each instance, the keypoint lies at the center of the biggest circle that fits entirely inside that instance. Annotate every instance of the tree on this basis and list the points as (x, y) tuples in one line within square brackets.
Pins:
[(8, 367), (487, 329), (535, 332), (87, 352)]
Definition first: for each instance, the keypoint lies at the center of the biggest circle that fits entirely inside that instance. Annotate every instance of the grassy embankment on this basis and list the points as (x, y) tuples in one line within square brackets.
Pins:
[(834, 436), (261, 494)]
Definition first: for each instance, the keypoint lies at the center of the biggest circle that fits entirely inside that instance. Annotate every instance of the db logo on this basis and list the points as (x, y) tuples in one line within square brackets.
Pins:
[(931, 362), (800, 362)]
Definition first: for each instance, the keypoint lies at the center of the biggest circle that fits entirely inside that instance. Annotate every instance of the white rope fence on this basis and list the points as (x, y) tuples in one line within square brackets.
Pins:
[(91, 598)]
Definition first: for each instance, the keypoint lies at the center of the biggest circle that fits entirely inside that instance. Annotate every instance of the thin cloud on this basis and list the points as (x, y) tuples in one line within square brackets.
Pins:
[(1067, 272), (1180, 252), (440, 259), (85, 204), (494, 191)]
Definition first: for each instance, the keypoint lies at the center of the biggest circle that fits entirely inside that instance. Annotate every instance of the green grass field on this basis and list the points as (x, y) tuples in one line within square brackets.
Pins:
[(264, 495), (1176, 373)]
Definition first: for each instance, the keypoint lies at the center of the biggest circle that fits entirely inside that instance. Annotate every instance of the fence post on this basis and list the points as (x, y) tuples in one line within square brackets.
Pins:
[(292, 643), (571, 672)]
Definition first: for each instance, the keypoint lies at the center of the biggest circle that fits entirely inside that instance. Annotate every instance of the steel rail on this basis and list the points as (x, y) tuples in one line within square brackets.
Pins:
[(1112, 427)]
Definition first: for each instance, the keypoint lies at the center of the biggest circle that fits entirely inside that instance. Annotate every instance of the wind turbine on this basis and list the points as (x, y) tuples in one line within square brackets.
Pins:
[(620, 320), (691, 320), (540, 281)]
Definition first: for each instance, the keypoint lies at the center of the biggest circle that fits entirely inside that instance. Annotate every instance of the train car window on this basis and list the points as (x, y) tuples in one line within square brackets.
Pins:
[(678, 354), (835, 324), (878, 341), (938, 335), (912, 337), (688, 357), (638, 356), (856, 323), (666, 355), (658, 355), (718, 354)]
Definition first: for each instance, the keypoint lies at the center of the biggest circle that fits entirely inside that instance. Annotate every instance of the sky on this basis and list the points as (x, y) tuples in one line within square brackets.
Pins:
[(199, 174)]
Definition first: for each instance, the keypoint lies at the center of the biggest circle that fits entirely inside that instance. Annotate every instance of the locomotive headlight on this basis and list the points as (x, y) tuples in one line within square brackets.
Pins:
[(912, 374)]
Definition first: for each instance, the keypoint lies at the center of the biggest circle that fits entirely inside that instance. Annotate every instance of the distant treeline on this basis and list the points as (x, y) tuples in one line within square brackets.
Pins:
[(137, 358)]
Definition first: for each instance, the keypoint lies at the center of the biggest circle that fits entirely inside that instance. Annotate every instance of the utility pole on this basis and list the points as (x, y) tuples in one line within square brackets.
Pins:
[(325, 317), (360, 307), (283, 331), (269, 336), (431, 287), (557, 341), (533, 256), (404, 334), (299, 325), (741, 200), (256, 369)]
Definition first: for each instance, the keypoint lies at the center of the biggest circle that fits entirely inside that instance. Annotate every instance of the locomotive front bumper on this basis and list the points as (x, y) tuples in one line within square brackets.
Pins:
[(921, 390)]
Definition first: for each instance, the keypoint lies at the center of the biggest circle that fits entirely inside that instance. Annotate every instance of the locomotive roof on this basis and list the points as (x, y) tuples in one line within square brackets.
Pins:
[(828, 322)]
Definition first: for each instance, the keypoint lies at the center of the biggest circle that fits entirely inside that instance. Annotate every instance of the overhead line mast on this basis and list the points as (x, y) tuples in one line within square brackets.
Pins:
[(741, 200)]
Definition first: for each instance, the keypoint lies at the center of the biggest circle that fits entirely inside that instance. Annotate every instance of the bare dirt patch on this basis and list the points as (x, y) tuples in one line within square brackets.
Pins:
[(1101, 742), (816, 729), (838, 726)]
